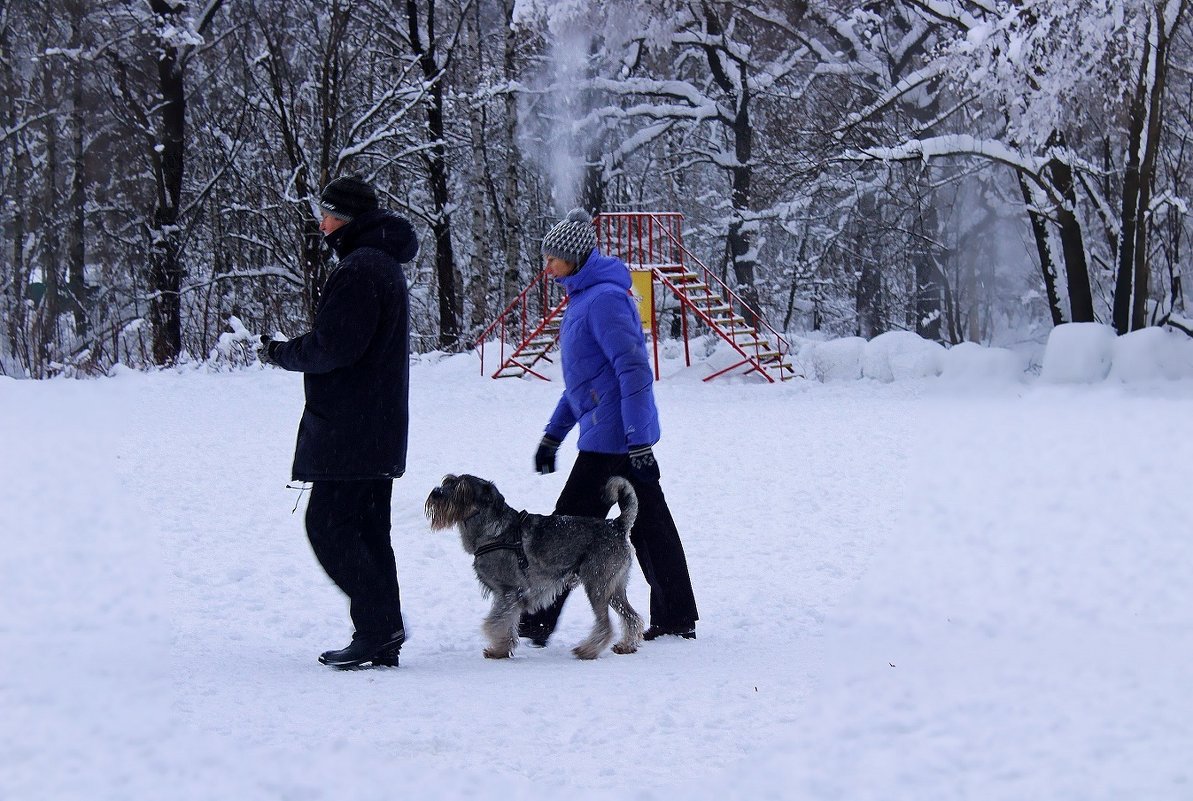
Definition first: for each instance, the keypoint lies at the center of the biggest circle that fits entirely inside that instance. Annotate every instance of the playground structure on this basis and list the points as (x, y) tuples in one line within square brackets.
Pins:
[(651, 244)]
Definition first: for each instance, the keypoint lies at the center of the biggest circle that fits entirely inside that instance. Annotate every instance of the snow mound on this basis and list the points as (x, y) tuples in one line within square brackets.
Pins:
[(1078, 353), (1151, 354), (836, 359), (969, 361), (899, 355), (1085, 353)]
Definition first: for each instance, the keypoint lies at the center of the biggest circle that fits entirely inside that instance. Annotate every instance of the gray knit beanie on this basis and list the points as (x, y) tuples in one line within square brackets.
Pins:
[(347, 197), (573, 239)]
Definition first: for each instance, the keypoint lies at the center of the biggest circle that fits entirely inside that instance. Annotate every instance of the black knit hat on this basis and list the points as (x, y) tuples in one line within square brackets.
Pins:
[(572, 239), (348, 197)]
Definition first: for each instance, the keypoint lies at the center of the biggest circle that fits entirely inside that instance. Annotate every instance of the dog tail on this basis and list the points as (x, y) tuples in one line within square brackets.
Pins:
[(619, 490)]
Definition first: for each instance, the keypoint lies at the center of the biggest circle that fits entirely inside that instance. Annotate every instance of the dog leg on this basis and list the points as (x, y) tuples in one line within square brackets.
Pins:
[(602, 627), (501, 625), (631, 622)]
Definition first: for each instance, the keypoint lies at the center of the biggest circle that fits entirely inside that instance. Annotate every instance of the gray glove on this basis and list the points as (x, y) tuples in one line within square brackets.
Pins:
[(643, 466)]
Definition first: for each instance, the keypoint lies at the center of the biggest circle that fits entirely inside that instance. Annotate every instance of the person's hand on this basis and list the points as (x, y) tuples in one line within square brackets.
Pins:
[(544, 457), (643, 466), (265, 349)]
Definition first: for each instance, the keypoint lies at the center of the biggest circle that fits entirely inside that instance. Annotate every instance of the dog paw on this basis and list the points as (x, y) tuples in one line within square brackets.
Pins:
[(583, 653), (624, 649), (491, 653)]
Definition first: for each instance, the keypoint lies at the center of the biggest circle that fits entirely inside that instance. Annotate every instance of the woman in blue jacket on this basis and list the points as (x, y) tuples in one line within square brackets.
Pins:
[(609, 392)]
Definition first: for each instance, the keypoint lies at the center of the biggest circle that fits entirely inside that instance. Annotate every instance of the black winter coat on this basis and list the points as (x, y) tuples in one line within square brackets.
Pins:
[(357, 357)]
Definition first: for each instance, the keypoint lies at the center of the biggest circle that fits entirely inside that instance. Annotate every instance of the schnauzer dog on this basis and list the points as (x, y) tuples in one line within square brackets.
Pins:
[(525, 561)]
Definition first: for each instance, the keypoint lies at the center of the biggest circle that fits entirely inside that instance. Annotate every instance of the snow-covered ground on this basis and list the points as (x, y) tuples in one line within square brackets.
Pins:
[(923, 589)]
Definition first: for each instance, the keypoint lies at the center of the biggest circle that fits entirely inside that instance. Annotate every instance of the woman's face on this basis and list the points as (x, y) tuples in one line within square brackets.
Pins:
[(558, 267)]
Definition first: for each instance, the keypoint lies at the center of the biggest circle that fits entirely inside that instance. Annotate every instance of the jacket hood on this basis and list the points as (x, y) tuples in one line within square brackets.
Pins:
[(382, 229), (598, 269)]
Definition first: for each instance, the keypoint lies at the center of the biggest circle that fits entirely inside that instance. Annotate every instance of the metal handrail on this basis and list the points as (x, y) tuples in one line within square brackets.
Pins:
[(706, 316), (623, 227), (519, 306), (731, 295)]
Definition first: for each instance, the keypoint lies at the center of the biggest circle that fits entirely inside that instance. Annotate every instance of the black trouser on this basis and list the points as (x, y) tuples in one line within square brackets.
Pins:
[(654, 537), (348, 526)]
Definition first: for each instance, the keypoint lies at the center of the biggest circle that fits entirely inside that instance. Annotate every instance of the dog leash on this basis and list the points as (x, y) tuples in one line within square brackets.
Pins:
[(514, 545)]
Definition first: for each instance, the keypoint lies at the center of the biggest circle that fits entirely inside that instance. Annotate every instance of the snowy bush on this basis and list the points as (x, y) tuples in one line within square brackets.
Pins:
[(236, 348)]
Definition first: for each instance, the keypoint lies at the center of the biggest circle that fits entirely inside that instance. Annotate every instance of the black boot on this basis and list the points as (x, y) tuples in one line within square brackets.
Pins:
[(388, 657), (381, 650), (654, 632), (537, 633)]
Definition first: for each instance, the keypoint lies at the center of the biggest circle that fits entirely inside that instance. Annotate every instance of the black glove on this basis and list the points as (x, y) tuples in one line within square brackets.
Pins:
[(643, 467), (544, 457), (265, 349)]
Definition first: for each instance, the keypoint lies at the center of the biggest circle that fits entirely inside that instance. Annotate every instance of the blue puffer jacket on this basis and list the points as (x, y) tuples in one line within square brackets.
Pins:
[(609, 386)]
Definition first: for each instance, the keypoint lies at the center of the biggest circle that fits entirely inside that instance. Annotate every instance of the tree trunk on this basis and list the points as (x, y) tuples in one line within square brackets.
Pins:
[(512, 283), (478, 288), (592, 189), (1143, 145), (740, 225), (1081, 301), (869, 301), (928, 290), (868, 289), (741, 228), (48, 338), (165, 269), (1039, 229), (13, 311), (314, 259), (18, 324), (437, 169), (76, 203), (1125, 276)]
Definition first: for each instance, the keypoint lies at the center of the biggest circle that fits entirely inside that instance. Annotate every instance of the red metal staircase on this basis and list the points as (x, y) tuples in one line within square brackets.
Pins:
[(529, 326)]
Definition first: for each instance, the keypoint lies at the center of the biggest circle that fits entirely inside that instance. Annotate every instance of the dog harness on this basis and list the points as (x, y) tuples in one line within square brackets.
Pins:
[(513, 543)]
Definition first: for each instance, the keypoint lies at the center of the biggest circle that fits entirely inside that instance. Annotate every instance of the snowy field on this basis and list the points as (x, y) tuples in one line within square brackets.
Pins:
[(923, 589)]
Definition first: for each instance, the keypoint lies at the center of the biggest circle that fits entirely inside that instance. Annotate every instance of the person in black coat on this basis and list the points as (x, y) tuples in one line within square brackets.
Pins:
[(352, 436)]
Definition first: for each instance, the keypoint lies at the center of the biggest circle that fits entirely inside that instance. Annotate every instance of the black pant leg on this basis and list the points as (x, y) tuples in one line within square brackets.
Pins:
[(656, 542), (377, 605), (348, 527), (583, 495)]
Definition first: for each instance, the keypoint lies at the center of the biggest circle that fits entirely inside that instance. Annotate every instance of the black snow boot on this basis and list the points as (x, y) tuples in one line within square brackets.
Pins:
[(654, 632), (537, 633), (379, 649)]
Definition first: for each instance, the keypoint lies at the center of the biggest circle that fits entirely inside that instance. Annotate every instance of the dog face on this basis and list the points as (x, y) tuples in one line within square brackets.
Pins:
[(458, 498)]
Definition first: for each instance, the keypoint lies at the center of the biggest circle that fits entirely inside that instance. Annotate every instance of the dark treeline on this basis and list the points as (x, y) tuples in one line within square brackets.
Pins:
[(959, 168)]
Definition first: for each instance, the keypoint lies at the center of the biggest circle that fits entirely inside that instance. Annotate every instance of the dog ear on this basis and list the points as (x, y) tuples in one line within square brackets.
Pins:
[(492, 495)]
